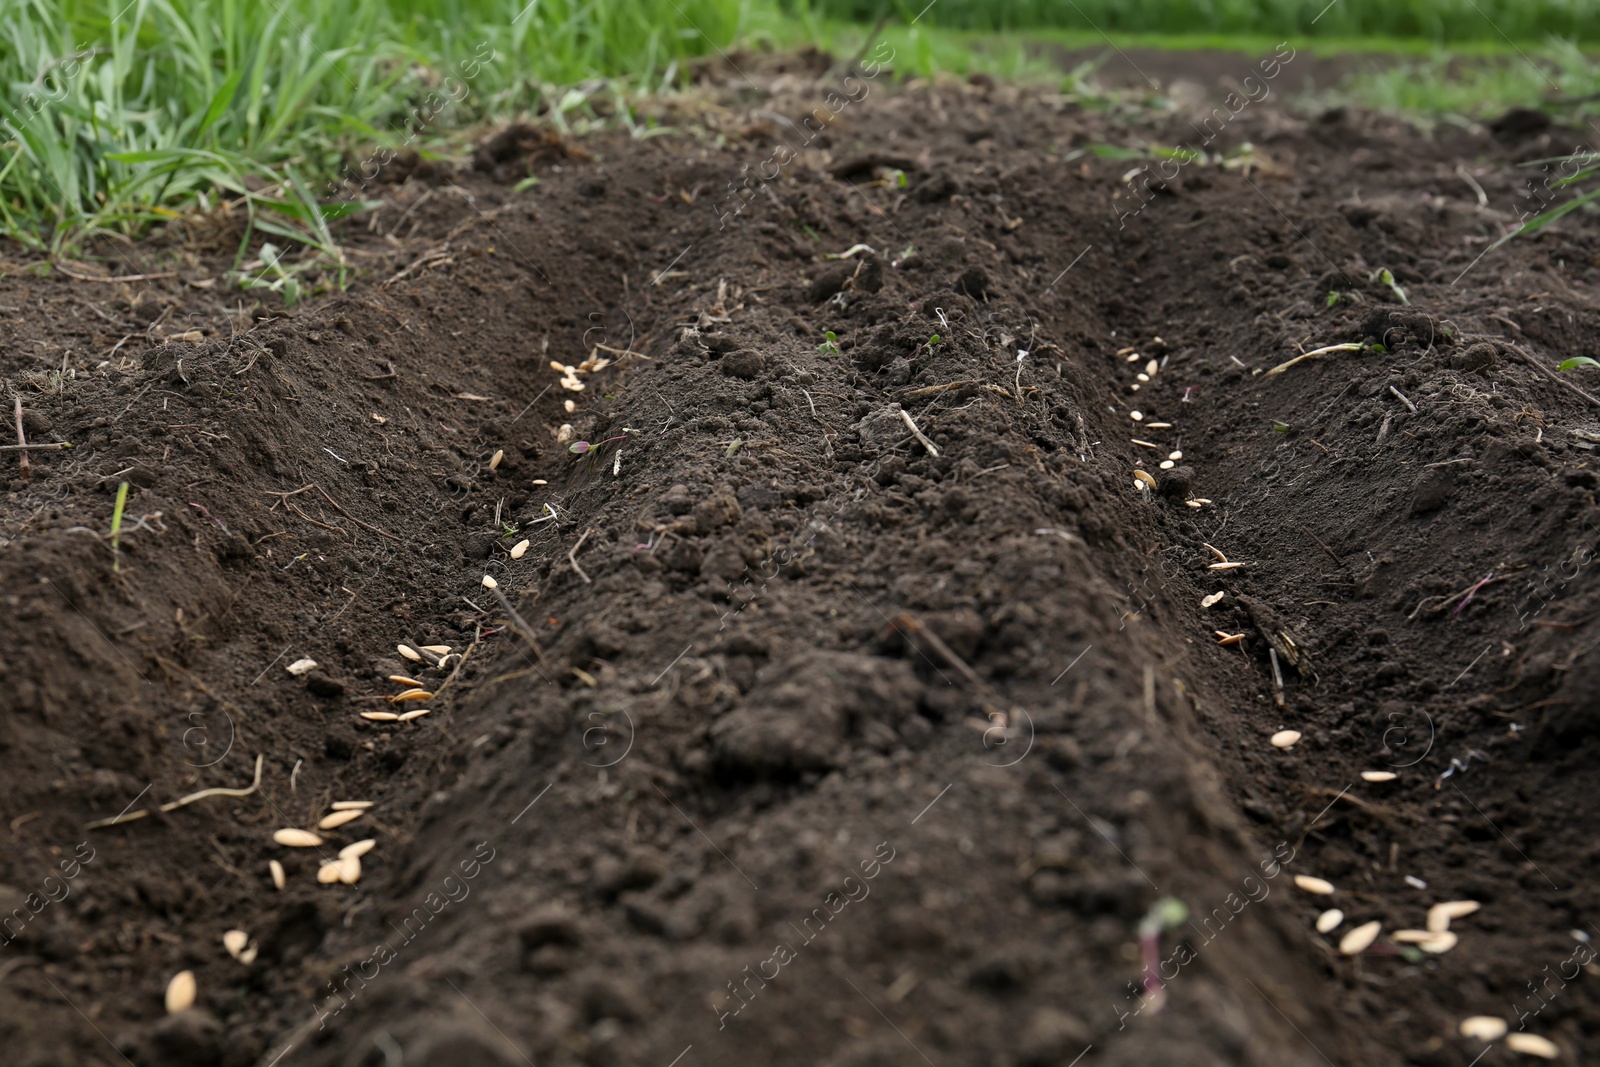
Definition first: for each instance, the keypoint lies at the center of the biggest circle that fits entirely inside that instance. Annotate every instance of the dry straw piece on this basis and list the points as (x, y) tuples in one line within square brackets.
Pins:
[(519, 548), (339, 818), (1360, 939), (301, 666), (1441, 915), (278, 878), (292, 838), (1483, 1028), (235, 941), (1329, 920), (181, 992), (1286, 738), (359, 849), (1533, 1045), (409, 653), (1320, 886), (1378, 776)]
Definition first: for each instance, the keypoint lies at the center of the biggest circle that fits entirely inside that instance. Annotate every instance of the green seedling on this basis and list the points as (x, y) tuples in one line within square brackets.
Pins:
[(1279, 427), (933, 343), (1577, 361), (1387, 278), (1168, 913), (1334, 299), (116, 526), (830, 347)]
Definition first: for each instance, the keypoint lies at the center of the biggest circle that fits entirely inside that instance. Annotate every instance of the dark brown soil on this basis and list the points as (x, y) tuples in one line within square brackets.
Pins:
[(808, 745)]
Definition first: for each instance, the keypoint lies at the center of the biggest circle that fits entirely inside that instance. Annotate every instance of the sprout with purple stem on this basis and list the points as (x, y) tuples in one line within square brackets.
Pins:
[(1168, 913), (578, 448)]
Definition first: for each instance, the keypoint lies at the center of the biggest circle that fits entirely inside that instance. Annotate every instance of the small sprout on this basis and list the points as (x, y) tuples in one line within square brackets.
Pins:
[(1279, 427), (578, 448), (829, 347), (116, 527), (1387, 278), (933, 342), (1334, 298), (900, 179), (1577, 361)]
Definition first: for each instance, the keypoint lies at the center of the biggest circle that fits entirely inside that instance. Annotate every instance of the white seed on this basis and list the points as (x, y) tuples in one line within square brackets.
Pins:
[(489, 582), (1415, 883), (1224, 566), (1215, 551), (1427, 940), (235, 941), (1439, 943), (570, 405), (1207, 601), (1225, 638), (359, 849), (1167, 464), (1151, 368), (1145, 444), (1360, 939), (302, 666), (1286, 738), (296, 838), (400, 679), (350, 869), (411, 694), (540, 481), (379, 716), (1483, 1028), (1158, 426), (1329, 919), (1320, 886), (1378, 776), (416, 713), (1144, 479), (328, 873), (1533, 1045), (1440, 915), (519, 548), (409, 653), (1142, 377), (437, 650), (1175, 454), (181, 992), (351, 805), (338, 819), (1133, 388), (248, 956), (494, 461), (278, 878), (1136, 416), (1194, 503)]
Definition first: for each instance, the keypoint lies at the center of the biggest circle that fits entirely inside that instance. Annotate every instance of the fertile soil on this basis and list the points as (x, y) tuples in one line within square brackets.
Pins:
[(854, 701)]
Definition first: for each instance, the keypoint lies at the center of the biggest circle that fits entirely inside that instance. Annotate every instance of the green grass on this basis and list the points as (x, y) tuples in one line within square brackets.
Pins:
[(1438, 20), (113, 113), (116, 115)]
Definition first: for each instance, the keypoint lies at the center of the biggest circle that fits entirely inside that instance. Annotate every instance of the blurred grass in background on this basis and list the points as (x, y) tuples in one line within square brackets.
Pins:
[(1438, 20), (116, 114)]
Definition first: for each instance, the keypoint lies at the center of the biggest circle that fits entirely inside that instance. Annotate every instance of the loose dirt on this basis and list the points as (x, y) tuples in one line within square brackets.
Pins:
[(854, 701)]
